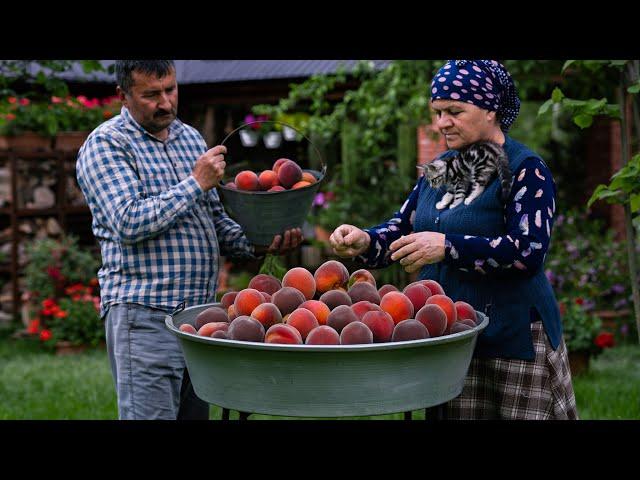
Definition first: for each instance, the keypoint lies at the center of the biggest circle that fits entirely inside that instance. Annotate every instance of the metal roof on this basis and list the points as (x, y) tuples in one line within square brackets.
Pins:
[(216, 71)]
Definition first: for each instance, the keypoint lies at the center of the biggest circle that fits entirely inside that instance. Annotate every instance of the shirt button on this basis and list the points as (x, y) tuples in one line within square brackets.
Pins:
[(437, 220)]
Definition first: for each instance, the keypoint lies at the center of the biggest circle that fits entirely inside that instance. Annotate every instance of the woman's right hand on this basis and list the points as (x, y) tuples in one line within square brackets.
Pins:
[(349, 241)]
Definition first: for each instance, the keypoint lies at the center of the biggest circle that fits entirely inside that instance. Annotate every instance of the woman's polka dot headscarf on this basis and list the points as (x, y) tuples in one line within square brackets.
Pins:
[(484, 83)]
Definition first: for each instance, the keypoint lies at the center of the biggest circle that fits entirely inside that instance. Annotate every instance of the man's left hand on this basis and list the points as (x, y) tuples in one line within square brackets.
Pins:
[(418, 249), (292, 240)]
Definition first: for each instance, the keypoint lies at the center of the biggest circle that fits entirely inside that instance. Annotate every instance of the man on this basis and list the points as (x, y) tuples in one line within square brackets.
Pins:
[(150, 183)]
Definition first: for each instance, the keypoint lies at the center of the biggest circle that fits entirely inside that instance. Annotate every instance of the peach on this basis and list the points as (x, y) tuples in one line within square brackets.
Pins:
[(231, 311), (302, 279), (228, 299), (465, 311), (247, 300), (300, 184), (381, 325), (303, 320), (319, 309), (219, 334), (383, 290), (266, 296), (265, 283), (435, 287), (340, 317), (334, 298), (410, 329), (287, 299), (267, 179), (231, 185), (364, 291), (362, 275), (418, 294), (289, 173), (309, 177), (360, 308), (187, 328), (447, 305), (356, 333), (246, 329), (282, 333), (277, 188), (398, 305), (278, 163), (267, 314), (330, 276), (208, 328), (459, 327), (323, 335), (434, 318), (247, 180), (467, 321), (211, 314)]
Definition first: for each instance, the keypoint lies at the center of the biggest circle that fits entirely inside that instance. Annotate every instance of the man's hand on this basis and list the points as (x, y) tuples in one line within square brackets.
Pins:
[(418, 249), (292, 240), (209, 168), (349, 241)]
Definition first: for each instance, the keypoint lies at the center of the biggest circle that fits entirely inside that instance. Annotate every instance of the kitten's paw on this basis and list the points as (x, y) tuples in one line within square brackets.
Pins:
[(441, 205), (455, 204), (467, 201)]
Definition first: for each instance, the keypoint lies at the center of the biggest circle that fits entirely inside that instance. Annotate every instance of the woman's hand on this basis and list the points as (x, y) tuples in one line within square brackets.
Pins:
[(349, 241), (418, 249)]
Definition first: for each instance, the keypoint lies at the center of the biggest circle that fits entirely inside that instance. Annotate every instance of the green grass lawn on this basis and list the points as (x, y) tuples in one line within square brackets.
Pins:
[(36, 385)]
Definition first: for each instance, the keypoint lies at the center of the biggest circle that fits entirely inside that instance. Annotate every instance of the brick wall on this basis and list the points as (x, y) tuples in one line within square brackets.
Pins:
[(430, 143)]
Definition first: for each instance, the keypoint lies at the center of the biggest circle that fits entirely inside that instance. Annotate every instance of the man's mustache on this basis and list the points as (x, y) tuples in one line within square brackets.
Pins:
[(162, 113)]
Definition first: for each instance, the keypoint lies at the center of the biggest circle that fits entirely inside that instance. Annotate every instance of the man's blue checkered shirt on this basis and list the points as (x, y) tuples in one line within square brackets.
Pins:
[(160, 234)]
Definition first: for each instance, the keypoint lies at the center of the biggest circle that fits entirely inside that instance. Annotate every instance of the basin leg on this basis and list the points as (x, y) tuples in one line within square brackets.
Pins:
[(225, 413), (243, 415), (407, 415), (433, 413)]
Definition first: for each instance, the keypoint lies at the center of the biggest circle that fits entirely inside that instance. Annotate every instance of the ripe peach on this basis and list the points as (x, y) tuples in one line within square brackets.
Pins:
[(247, 180), (309, 177), (287, 299), (360, 308), (433, 317), (231, 311), (459, 327), (283, 333), (319, 309), (231, 185), (267, 314), (331, 275), (398, 305), (247, 300), (302, 279), (300, 184), (267, 179), (278, 163), (187, 328), (341, 316), (418, 294), (435, 287), (362, 275), (228, 299), (356, 333), (334, 298), (277, 188), (303, 320), (266, 296), (383, 290), (208, 328), (447, 305), (265, 283), (364, 291), (381, 325), (211, 314), (289, 173), (410, 329), (246, 329), (219, 334), (466, 311), (323, 335), (467, 321)]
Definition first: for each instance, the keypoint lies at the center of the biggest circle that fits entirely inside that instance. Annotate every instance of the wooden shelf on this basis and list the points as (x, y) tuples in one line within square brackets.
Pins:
[(76, 209), (5, 211), (37, 212)]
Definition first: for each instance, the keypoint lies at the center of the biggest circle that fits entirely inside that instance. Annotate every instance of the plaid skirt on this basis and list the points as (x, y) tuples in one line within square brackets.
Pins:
[(513, 389)]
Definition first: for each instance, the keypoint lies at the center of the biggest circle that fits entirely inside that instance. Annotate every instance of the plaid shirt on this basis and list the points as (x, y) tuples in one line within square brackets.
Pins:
[(160, 234)]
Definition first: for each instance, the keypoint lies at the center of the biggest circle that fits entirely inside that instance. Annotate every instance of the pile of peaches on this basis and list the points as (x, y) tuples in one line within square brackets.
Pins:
[(331, 307), (285, 174)]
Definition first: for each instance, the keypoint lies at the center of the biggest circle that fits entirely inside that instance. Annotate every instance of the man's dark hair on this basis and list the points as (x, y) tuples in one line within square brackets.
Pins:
[(125, 69)]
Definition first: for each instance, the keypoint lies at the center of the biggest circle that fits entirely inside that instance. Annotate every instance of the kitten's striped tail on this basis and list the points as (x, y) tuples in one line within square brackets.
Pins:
[(505, 175)]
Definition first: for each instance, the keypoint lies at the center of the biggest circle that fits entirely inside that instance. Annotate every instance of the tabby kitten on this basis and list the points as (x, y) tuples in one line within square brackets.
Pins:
[(474, 166)]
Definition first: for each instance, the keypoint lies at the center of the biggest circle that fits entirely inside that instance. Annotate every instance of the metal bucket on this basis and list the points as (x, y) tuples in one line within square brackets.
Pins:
[(325, 380), (263, 215)]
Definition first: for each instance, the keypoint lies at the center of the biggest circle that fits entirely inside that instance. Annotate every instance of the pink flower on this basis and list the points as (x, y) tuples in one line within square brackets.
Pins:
[(56, 100), (12, 99), (10, 116)]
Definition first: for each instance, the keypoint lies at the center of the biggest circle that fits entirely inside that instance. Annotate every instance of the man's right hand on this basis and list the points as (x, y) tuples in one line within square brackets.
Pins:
[(349, 241), (209, 168)]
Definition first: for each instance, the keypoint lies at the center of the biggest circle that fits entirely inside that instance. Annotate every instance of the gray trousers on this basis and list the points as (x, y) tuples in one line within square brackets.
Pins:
[(148, 367)]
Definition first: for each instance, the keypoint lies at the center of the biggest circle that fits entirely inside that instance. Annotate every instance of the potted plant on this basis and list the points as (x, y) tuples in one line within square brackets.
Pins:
[(250, 134), (25, 124)]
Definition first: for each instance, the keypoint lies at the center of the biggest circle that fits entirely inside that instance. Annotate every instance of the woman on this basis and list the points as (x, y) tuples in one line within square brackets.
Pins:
[(488, 253)]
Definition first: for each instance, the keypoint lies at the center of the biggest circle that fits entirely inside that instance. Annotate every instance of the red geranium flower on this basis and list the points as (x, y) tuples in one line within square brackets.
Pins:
[(604, 340), (34, 326), (45, 335), (579, 300)]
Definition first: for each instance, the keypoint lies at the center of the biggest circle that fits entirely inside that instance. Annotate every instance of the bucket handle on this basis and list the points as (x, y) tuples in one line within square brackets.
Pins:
[(324, 166)]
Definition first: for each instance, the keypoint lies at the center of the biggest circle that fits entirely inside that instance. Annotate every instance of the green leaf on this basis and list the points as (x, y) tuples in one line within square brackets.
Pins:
[(557, 95), (545, 107), (618, 63), (634, 88), (583, 120), (566, 65), (600, 193), (634, 200)]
